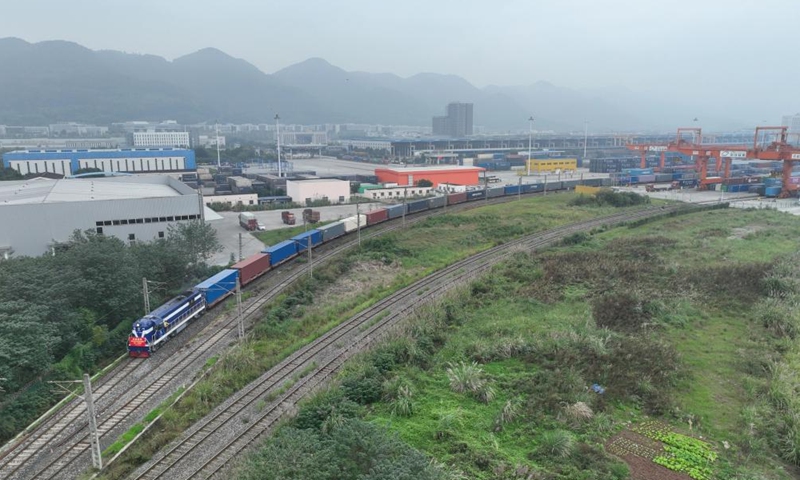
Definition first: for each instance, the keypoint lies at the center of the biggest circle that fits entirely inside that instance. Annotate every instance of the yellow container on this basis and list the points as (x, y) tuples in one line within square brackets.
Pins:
[(539, 165)]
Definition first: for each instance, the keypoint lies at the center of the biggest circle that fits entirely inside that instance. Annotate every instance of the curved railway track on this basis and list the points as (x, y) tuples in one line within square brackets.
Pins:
[(54, 448), (208, 447)]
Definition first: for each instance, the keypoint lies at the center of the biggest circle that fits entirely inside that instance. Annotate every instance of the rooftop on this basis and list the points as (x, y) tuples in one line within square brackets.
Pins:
[(43, 190), (318, 180), (435, 168)]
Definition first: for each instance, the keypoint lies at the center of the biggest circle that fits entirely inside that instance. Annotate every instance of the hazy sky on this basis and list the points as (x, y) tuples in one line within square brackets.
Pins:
[(718, 51)]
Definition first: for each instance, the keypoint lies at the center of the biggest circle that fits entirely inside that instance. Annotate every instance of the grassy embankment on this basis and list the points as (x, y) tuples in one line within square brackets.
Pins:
[(382, 266), (689, 320)]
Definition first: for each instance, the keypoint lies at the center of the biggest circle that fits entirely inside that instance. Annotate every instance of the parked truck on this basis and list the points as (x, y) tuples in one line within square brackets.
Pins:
[(248, 221), (288, 217), (311, 216)]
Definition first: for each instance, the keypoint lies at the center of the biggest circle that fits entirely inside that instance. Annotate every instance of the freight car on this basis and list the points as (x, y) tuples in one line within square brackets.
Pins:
[(167, 320)]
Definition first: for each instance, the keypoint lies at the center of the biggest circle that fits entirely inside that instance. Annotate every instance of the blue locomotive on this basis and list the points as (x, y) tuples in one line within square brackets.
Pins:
[(165, 321)]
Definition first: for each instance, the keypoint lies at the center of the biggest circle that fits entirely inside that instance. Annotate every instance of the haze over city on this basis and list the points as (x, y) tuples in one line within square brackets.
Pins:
[(726, 63)]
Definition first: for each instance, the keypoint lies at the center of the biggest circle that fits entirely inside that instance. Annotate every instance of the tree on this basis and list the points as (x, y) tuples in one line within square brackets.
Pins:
[(9, 174), (424, 182), (198, 240)]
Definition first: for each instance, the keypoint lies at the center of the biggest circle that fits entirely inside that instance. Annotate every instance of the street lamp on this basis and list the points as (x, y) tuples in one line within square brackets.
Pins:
[(585, 136), (278, 142), (530, 143)]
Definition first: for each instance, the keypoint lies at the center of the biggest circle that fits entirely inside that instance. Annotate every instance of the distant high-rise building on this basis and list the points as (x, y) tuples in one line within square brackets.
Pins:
[(457, 123)]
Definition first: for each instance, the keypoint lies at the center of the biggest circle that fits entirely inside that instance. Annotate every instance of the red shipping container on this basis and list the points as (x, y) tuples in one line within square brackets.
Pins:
[(454, 198), (377, 216), (252, 267)]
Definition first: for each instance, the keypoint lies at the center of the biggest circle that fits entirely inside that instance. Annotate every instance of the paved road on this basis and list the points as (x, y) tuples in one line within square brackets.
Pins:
[(228, 228)]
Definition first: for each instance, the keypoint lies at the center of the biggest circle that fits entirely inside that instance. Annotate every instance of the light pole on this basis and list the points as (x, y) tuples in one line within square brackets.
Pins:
[(585, 137), (94, 436), (278, 141), (530, 143), (216, 127)]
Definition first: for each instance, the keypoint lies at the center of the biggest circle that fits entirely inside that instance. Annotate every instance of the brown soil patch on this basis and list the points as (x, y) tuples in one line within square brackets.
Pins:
[(638, 451), (739, 233), (363, 276)]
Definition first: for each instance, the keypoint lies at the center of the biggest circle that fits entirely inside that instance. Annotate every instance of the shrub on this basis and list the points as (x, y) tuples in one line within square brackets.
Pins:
[(622, 312), (465, 378), (556, 443)]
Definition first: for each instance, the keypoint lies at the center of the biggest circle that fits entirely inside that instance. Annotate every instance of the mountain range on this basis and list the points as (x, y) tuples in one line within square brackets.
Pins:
[(54, 81)]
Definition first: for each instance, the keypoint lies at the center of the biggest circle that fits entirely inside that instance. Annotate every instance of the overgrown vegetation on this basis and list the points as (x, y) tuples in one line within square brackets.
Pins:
[(71, 312), (662, 321), (606, 197)]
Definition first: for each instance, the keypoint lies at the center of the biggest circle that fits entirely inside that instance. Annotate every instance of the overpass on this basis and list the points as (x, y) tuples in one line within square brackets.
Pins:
[(438, 147)]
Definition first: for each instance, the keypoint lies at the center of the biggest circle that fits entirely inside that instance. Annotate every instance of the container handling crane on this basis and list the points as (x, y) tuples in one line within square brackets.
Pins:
[(777, 150)]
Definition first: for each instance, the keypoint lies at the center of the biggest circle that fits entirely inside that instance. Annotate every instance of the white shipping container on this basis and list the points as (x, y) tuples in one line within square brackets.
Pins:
[(351, 224)]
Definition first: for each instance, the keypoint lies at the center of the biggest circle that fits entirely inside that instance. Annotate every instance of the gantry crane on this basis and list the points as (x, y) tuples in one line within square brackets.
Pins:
[(777, 150)]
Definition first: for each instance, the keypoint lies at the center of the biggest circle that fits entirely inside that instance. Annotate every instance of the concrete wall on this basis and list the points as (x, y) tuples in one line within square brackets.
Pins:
[(243, 199), (336, 191)]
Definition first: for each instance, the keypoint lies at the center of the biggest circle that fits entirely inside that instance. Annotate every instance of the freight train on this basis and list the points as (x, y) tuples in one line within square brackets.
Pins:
[(152, 330)]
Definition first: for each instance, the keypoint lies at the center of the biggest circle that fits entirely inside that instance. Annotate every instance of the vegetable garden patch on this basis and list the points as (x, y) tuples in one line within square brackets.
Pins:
[(653, 451)]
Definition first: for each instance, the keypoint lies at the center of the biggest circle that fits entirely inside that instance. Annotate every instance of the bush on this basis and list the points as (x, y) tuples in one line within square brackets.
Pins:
[(363, 387), (621, 312), (329, 403), (555, 443)]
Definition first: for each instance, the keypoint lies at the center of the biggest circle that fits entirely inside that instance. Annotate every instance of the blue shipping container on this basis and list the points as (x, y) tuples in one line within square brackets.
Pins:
[(302, 240), (219, 286), (417, 206), (511, 189), (437, 202), (395, 210), (772, 191), (280, 252), (331, 231), (476, 194)]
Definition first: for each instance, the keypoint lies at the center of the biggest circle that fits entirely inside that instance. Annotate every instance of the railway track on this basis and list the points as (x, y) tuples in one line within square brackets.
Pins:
[(55, 447), (207, 448)]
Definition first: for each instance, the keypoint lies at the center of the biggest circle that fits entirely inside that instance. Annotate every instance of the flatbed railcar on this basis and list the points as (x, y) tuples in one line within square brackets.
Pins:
[(150, 331)]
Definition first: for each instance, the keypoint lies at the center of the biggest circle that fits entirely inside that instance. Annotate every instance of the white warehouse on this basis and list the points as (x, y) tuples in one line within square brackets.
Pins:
[(39, 213), (306, 191)]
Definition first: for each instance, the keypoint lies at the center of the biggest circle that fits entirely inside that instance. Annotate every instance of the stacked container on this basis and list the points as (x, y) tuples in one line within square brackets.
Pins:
[(377, 216), (314, 237), (331, 231)]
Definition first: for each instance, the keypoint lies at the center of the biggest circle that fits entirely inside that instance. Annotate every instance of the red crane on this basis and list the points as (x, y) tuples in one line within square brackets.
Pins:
[(777, 150)]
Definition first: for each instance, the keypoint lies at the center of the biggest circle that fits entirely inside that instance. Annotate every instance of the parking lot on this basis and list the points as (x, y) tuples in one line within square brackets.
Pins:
[(228, 228)]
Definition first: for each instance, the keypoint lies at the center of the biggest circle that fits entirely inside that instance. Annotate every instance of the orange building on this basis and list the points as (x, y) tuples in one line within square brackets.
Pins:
[(440, 174)]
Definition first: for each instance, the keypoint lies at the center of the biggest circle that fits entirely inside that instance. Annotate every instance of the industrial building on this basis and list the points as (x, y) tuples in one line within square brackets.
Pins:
[(151, 139), (38, 214), (378, 193), (232, 199), (457, 123), (307, 191), (440, 174), (128, 160)]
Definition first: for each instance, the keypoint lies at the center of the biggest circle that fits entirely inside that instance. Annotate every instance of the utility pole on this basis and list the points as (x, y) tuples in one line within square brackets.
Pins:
[(94, 436), (239, 319), (358, 220), (311, 260), (278, 141), (240, 246), (545, 184), (405, 194), (146, 296), (97, 458), (485, 186), (519, 189)]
